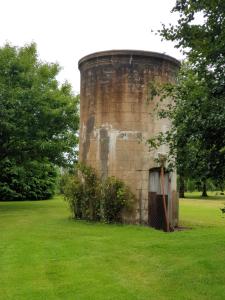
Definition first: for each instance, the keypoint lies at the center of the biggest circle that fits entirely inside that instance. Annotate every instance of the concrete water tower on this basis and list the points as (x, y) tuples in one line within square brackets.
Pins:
[(116, 118)]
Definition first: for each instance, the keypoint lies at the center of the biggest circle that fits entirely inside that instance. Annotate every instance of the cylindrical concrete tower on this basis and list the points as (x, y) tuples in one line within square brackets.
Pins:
[(117, 118)]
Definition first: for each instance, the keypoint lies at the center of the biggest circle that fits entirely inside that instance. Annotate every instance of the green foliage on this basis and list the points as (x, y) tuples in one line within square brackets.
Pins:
[(190, 115), (197, 135), (82, 191), (38, 119), (31, 180), (116, 197), (62, 180), (194, 185), (202, 40), (92, 198)]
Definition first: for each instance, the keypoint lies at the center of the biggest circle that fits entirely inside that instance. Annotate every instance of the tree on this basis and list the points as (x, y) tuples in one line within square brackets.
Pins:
[(38, 123), (198, 116), (188, 149)]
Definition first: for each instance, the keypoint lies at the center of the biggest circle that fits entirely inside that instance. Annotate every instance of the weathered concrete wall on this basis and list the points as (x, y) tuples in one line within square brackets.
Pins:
[(116, 116)]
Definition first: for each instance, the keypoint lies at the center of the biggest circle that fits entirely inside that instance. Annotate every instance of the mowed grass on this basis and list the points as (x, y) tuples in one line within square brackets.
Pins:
[(44, 254)]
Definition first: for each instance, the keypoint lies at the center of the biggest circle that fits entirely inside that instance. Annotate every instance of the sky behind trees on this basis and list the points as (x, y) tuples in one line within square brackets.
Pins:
[(67, 30)]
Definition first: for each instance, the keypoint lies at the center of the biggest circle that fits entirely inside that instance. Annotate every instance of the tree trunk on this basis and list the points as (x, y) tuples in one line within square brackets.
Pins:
[(204, 191), (182, 187)]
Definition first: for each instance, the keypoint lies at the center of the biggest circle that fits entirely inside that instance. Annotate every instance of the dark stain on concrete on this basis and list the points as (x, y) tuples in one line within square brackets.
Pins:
[(104, 151), (86, 145)]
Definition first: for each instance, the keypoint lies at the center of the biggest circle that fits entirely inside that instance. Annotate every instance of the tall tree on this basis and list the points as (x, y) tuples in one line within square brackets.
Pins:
[(199, 117), (38, 122)]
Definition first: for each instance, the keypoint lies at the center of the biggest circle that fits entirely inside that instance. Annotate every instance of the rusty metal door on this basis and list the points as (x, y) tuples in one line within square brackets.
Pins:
[(155, 199)]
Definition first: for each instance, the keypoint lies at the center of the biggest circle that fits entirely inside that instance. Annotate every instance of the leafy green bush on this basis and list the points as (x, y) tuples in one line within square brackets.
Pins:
[(32, 180), (64, 177), (74, 192), (82, 191), (116, 197), (92, 198)]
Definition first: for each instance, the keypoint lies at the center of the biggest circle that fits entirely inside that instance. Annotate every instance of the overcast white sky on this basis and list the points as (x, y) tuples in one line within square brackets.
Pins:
[(66, 30)]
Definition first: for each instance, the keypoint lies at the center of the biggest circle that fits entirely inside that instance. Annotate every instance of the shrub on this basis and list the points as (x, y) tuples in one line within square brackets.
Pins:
[(82, 191), (31, 180), (116, 197), (92, 198), (64, 177)]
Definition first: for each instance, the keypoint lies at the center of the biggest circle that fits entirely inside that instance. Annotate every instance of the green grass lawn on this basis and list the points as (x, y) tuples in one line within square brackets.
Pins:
[(46, 255)]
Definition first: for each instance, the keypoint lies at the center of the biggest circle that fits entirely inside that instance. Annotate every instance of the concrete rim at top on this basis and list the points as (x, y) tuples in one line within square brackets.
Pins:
[(128, 53)]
